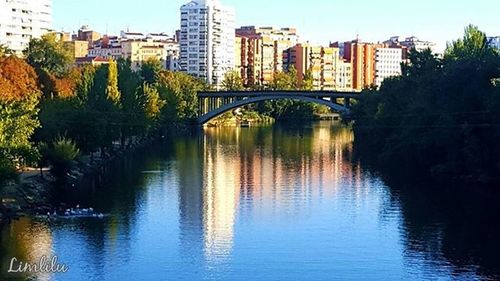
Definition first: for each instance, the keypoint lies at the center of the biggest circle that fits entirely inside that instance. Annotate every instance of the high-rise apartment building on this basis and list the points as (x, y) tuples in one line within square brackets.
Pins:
[(387, 63), (22, 20), (207, 43), (362, 58), (410, 43), (494, 42), (343, 76), (261, 52), (373, 63), (323, 64)]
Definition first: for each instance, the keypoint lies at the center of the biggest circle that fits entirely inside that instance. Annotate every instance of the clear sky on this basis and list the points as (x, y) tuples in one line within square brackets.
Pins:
[(317, 21)]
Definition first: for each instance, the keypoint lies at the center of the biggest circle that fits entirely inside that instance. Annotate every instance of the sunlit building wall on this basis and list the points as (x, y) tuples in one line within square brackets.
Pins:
[(261, 50), (23, 20), (387, 64), (494, 42), (207, 40)]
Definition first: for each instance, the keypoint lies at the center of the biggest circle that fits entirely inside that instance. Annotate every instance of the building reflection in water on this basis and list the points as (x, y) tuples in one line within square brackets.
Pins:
[(221, 181), (28, 242), (240, 175)]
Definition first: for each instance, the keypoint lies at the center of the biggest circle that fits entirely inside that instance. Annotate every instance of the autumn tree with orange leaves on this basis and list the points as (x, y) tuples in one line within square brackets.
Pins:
[(19, 98)]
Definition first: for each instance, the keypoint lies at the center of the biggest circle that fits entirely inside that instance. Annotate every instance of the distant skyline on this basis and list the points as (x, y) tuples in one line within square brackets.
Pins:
[(317, 21)]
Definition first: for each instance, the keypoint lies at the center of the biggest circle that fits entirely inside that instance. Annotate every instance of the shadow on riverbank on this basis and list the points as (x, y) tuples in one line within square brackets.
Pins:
[(37, 192)]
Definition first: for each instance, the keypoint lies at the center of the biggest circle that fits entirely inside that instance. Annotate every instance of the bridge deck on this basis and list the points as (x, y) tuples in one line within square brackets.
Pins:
[(320, 94)]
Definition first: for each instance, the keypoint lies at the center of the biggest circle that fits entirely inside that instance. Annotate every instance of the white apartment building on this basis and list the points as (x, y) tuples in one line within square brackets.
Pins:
[(158, 36), (207, 44), (22, 20), (343, 75), (387, 64), (127, 35), (494, 42), (410, 43), (172, 55)]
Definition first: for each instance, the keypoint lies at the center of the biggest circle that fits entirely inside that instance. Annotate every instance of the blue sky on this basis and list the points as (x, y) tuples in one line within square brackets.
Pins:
[(318, 21)]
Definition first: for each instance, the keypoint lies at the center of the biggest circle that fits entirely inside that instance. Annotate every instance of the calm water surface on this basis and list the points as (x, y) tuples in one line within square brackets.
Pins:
[(280, 203)]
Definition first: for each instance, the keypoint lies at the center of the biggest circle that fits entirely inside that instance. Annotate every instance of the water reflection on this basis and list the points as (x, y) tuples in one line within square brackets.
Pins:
[(281, 203), (29, 242)]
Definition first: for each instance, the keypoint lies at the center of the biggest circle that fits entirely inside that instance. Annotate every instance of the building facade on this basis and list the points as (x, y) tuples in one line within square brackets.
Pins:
[(260, 52), (361, 56), (207, 40), (387, 64), (23, 20), (106, 52), (323, 65), (139, 51), (80, 49), (343, 76), (409, 43), (172, 54), (276, 34), (87, 34), (494, 42), (94, 61)]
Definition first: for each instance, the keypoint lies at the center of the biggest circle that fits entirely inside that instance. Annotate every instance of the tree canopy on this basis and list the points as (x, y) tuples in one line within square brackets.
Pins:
[(442, 114)]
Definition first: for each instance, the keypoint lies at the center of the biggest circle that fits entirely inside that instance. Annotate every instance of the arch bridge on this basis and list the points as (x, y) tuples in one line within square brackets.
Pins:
[(214, 103)]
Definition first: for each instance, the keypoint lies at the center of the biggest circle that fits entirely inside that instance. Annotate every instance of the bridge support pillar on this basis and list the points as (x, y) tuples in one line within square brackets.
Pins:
[(347, 102)]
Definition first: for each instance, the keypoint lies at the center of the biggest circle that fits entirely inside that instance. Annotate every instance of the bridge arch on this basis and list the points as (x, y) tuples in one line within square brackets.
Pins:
[(251, 100)]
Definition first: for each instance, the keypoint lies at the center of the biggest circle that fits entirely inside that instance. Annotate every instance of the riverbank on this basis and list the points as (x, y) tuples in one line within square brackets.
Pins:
[(407, 166), (32, 193)]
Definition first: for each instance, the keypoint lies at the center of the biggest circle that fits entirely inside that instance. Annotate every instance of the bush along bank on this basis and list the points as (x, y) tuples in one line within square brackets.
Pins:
[(32, 192)]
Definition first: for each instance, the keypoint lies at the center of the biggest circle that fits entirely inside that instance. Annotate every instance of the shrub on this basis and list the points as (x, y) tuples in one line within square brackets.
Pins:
[(7, 170), (61, 155)]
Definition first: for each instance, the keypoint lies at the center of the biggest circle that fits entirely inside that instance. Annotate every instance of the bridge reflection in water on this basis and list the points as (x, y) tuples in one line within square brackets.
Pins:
[(213, 104)]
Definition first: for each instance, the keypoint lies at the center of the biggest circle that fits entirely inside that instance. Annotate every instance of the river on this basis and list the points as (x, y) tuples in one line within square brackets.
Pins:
[(262, 203)]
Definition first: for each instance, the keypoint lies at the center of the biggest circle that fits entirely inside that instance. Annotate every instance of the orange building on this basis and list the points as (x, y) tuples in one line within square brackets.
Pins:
[(260, 52), (324, 65), (362, 57)]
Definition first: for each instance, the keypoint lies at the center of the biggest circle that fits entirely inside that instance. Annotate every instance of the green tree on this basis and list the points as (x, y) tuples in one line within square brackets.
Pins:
[(180, 90), (442, 113), (150, 71), (62, 154), (112, 91), (232, 81), (19, 99), (153, 102), (474, 44), (308, 81), (133, 117), (5, 51), (49, 55), (283, 81), (84, 84)]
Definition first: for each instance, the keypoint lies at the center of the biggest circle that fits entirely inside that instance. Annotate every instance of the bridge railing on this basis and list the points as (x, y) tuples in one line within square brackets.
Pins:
[(325, 94), (211, 102)]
